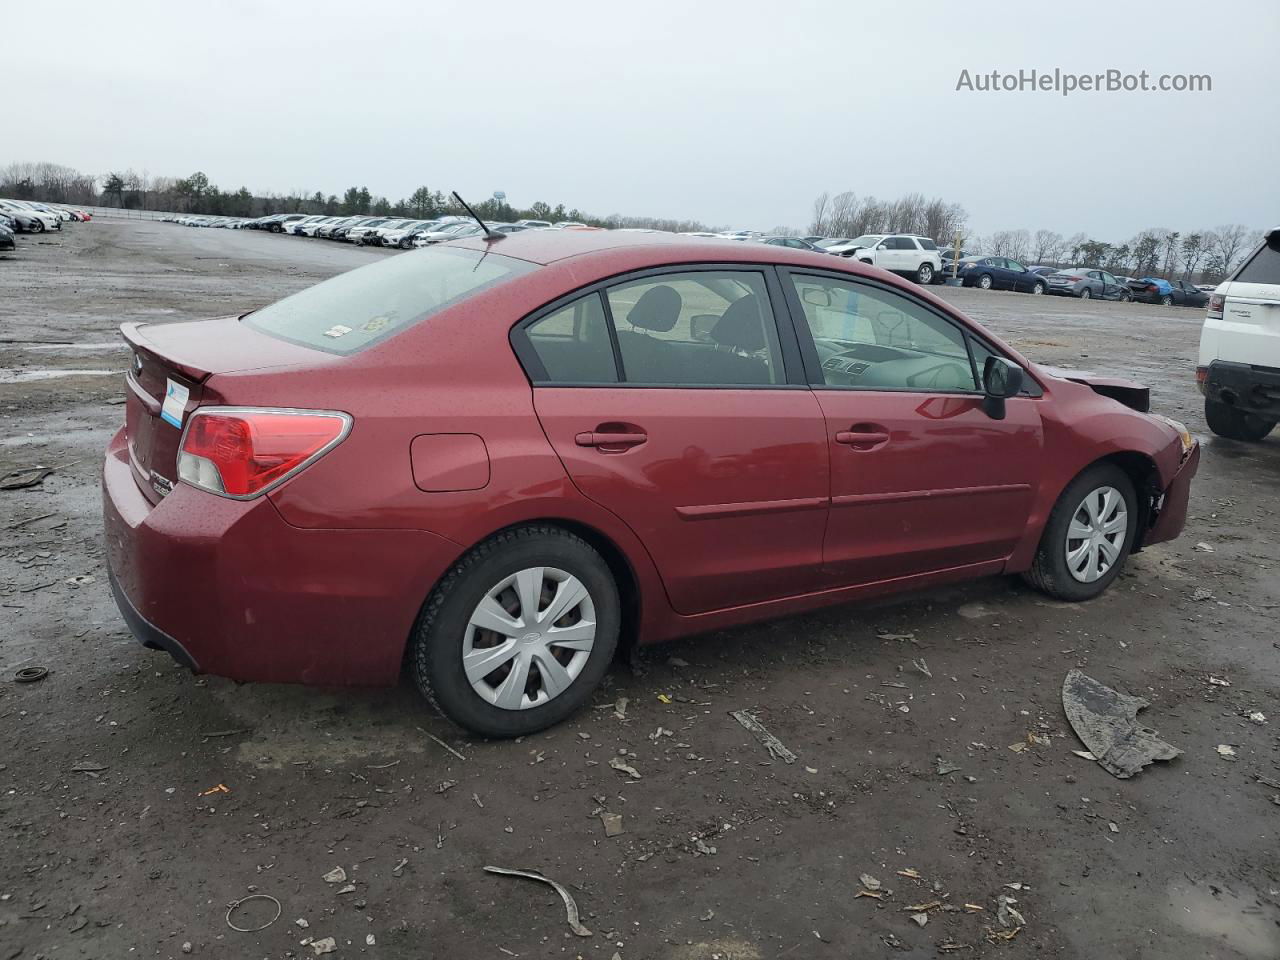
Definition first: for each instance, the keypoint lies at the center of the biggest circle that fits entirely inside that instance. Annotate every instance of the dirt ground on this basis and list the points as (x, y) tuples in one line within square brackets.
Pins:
[(112, 845)]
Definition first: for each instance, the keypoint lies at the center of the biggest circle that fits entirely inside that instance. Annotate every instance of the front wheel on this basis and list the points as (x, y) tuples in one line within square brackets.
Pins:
[(1234, 424), (1038, 289), (1089, 534), (924, 275), (37, 226), (1126, 297), (1085, 293), (519, 633)]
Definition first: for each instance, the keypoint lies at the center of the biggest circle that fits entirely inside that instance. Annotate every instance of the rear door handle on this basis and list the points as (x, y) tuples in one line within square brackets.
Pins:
[(594, 439), (863, 439)]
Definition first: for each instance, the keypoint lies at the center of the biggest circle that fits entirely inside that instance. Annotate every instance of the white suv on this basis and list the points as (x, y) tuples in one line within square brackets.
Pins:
[(912, 256), (1239, 367)]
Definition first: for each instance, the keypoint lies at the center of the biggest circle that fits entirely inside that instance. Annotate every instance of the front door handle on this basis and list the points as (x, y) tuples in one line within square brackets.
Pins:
[(605, 439), (864, 437)]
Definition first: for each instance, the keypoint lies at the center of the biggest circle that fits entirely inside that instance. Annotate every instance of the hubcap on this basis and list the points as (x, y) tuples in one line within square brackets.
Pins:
[(529, 638), (926, 273), (1096, 533)]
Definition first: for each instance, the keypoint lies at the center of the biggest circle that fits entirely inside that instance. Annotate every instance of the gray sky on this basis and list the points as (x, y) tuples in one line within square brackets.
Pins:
[(735, 113)]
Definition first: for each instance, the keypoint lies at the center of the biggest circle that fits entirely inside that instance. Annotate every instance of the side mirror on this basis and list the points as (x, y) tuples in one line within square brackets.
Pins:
[(1000, 381), (883, 246)]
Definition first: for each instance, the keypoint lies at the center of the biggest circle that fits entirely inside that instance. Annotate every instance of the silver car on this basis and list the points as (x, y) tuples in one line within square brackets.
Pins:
[(1088, 283)]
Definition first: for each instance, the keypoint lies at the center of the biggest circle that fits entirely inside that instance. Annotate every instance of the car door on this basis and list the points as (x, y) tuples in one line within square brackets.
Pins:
[(1020, 278), (667, 399), (923, 480), (1111, 287)]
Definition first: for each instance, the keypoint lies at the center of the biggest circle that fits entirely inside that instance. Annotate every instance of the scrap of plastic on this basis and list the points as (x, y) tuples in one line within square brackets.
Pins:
[(1106, 721), (570, 906)]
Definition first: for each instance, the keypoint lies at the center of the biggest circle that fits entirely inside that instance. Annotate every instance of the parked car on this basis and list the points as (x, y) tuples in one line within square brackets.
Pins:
[(294, 227), (1000, 273), (7, 241), (1087, 282), (1239, 367), (357, 234), (310, 229), (793, 243), (325, 230), (450, 231), (905, 254), (1042, 270), (402, 234), (27, 218), (1168, 293), (562, 224), (535, 224), (318, 491)]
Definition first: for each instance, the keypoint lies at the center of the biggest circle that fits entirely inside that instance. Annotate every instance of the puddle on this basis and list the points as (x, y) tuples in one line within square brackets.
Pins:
[(34, 374), (1233, 920)]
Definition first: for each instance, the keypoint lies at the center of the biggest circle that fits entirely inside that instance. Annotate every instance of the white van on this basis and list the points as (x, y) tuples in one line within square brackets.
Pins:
[(1239, 367)]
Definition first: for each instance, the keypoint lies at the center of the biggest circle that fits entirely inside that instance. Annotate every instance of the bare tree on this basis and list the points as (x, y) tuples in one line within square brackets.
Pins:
[(1048, 246), (820, 223), (1229, 244)]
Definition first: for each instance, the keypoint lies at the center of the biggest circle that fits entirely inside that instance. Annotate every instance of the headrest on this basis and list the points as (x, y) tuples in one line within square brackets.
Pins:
[(740, 327), (658, 309)]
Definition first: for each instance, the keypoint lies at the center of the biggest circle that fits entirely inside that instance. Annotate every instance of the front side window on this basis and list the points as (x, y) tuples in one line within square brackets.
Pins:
[(700, 328), (355, 309), (875, 339)]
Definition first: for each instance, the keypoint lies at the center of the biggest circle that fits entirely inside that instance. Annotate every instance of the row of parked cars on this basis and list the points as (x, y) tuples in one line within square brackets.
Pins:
[(32, 216), (401, 232)]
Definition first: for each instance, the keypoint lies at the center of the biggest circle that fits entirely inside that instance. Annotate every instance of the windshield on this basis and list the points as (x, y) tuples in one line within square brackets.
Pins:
[(870, 240), (355, 309)]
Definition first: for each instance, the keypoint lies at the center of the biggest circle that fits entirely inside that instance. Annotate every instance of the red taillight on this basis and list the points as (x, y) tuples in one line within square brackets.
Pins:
[(238, 452), (1202, 374), (1216, 304)]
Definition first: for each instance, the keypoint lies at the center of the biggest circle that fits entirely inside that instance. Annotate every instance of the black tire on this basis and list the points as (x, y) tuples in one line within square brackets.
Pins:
[(1037, 289), (1234, 424), (1086, 293), (984, 281), (1126, 297), (924, 274), (1049, 572), (1166, 301), (37, 226), (436, 644)]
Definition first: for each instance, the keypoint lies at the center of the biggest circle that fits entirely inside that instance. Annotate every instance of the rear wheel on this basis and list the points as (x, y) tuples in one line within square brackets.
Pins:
[(1234, 424), (1085, 293), (1166, 301), (518, 634), (984, 281), (924, 275), (1088, 536)]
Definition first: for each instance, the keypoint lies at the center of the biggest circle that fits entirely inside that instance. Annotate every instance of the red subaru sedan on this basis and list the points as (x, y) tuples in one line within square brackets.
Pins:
[(497, 461)]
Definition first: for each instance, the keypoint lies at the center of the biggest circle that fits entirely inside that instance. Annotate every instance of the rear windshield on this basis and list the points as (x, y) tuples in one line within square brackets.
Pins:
[(1263, 267), (349, 312)]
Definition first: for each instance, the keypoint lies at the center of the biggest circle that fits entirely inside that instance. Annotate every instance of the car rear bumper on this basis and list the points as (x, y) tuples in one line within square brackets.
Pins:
[(1172, 515), (1246, 387), (229, 588)]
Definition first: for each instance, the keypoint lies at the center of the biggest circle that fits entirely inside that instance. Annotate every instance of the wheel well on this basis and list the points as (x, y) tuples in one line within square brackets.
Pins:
[(1141, 470)]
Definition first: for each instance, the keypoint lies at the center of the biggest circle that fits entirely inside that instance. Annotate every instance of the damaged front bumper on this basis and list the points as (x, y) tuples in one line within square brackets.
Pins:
[(1169, 513)]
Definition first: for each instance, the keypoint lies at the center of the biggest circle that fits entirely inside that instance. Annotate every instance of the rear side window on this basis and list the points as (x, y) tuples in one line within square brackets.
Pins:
[(704, 328), (353, 310), (573, 343), (926, 244), (1262, 267)]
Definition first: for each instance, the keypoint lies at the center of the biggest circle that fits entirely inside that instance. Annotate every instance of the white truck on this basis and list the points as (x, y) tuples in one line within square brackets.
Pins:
[(1239, 367)]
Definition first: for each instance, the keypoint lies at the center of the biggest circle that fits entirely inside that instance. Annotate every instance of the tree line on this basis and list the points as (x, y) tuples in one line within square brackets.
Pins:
[(1203, 256), (197, 194)]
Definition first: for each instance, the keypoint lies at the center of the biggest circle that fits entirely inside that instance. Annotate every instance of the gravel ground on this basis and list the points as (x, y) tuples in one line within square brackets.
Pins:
[(138, 801)]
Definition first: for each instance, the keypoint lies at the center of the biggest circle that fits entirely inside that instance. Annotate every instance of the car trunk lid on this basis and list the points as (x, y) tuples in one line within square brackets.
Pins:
[(167, 379)]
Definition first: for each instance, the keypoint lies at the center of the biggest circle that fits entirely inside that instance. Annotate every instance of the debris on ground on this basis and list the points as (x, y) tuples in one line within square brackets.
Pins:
[(21, 479), (870, 882), (1105, 720), (1219, 682), (1226, 751), (1257, 717), (80, 580), (620, 708), (623, 767), (922, 667), (324, 945), (612, 824), (216, 788), (906, 637), (910, 873), (1204, 547), (432, 736), (1084, 755), (677, 662), (945, 767), (1200, 594), (1006, 914), (336, 875), (570, 905), (920, 918), (30, 674), (87, 766), (237, 904), (771, 743)]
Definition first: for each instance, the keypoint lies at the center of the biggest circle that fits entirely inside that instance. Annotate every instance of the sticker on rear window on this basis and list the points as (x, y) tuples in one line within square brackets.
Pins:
[(175, 401)]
